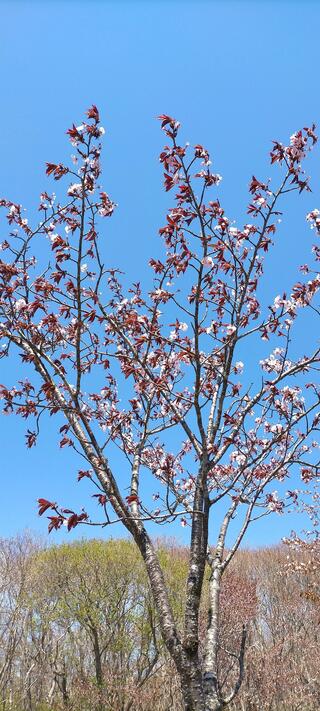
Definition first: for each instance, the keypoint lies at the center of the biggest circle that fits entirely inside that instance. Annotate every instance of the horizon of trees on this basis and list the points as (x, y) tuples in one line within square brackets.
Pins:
[(79, 628)]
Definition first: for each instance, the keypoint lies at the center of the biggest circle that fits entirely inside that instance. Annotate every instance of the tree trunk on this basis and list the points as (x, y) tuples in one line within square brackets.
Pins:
[(97, 659), (198, 686), (195, 693), (64, 690), (98, 669), (199, 682), (192, 688)]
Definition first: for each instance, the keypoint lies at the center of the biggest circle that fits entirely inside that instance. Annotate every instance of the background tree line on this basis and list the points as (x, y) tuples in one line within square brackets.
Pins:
[(79, 629)]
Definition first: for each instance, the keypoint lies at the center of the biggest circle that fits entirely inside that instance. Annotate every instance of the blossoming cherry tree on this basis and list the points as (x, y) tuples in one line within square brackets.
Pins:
[(157, 381)]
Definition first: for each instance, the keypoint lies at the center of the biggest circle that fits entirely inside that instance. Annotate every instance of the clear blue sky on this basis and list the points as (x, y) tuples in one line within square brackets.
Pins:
[(237, 75)]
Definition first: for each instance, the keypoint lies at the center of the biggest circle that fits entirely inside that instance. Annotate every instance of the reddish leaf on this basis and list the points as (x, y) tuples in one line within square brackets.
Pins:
[(66, 442), (31, 438), (101, 498), (75, 519), (131, 499), (44, 505), (55, 523), (84, 473), (93, 113)]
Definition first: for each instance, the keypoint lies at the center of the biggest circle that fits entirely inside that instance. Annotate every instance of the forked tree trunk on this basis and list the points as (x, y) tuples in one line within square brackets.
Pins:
[(198, 679)]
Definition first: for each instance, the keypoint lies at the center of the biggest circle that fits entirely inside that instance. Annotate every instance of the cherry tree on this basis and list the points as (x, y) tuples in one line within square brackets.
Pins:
[(157, 377)]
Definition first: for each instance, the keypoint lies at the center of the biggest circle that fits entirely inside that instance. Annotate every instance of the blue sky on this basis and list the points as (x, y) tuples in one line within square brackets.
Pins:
[(236, 74)]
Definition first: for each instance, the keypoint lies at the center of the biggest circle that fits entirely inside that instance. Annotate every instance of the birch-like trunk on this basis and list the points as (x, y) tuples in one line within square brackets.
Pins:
[(199, 685), (199, 680), (210, 666)]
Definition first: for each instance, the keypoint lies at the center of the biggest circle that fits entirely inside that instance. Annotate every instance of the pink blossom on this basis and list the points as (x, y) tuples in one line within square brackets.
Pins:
[(75, 190), (207, 261), (20, 304), (230, 329)]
